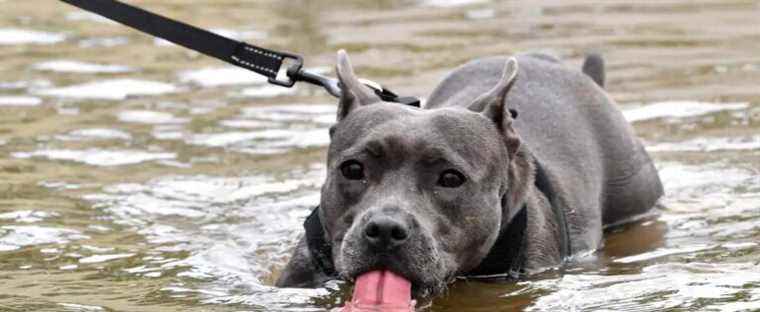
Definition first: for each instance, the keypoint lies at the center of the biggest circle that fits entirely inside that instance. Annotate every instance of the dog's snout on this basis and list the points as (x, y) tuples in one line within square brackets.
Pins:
[(385, 232)]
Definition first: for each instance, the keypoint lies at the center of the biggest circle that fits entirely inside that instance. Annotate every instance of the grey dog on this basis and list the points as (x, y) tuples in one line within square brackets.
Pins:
[(513, 166)]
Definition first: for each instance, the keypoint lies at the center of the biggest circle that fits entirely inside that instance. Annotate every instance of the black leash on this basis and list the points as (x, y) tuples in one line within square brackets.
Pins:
[(259, 60)]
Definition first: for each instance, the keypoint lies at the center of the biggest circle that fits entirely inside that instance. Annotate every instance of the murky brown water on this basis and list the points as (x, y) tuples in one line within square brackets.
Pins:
[(138, 176)]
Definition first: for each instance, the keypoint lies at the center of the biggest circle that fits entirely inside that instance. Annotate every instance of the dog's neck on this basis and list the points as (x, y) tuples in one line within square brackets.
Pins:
[(507, 256), (512, 252)]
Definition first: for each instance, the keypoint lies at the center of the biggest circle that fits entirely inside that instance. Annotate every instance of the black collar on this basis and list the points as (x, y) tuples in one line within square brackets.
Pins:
[(319, 247), (544, 185), (506, 256)]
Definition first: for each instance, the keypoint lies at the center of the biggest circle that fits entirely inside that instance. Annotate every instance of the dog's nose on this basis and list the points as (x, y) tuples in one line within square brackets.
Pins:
[(384, 232)]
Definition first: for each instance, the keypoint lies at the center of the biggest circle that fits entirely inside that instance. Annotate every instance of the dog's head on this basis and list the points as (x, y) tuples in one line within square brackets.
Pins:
[(423, 193)]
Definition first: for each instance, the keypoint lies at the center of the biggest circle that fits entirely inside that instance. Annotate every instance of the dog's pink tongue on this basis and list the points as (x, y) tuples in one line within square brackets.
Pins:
[(381, 291)]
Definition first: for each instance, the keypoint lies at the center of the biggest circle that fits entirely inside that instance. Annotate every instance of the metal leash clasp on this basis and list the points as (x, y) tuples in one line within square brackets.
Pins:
[(331, 85), (287, 78)]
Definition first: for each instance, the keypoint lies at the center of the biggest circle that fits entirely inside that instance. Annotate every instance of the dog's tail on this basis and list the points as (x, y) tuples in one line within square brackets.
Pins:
[(593, 66)]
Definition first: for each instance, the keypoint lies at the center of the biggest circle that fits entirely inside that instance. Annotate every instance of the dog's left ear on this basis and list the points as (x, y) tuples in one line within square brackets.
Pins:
[(492, 105), (353, 92)]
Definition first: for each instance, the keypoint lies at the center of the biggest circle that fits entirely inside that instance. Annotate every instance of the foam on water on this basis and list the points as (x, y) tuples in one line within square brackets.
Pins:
[(703, 211), (97, 249), (480, 14), (451, 3), (14, 237), (267, 91), (700, 212), (265, 141), (80, 307), (708, 144), (291, 127), (739, 246), (104, 258), (680, 109), (659, 287), (25, 84), (149, 117), (239, 34), (249, 124), (95, 134), (67, 66), (25, 216), (103, 42), (188, 197), (115, 89), (87, 16), (13, 36), (241, 226), (293, 113), (684, 181), (694, 190), (662, 253), (221, 76), (62, 185), (98, 157), (168, 132), (19, 101)]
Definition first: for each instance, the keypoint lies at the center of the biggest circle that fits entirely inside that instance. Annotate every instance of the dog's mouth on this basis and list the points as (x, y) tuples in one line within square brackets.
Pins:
[(417, 263), (382, 289), (419, 287)]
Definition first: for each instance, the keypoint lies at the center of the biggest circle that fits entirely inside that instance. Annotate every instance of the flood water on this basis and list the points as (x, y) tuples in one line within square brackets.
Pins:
[(138, 176)]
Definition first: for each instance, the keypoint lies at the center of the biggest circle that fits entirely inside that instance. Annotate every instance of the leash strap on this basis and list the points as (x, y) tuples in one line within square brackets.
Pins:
[(257, 59), (262, 61)]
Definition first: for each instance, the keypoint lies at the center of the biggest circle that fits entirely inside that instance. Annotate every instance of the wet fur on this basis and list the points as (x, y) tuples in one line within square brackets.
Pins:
[(599, 172)]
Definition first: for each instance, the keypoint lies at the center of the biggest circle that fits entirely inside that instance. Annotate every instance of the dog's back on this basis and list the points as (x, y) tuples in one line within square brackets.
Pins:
[(600, 171)]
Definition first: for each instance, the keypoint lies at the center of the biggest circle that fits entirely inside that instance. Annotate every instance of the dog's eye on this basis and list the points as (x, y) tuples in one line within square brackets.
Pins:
[(451, 178), (352, 170)]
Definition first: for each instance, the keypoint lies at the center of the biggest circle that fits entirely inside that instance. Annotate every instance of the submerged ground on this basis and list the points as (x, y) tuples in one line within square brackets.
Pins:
[(139, 176)]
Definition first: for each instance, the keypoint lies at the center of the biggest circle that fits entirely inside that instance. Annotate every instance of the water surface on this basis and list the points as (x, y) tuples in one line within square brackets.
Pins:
[(139, 176)]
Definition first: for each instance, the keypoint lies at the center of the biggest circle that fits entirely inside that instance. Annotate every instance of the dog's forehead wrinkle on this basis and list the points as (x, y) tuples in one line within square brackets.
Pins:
[(463, 139), (375, 148), (473, 141), (384, 111), (363, 123)]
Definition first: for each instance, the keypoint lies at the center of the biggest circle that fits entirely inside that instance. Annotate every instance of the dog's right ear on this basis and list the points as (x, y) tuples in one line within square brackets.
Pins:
[(353, 93)]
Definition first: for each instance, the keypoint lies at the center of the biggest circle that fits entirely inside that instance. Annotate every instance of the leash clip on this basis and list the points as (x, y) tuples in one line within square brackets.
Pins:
[(389, 96), (331, 85), (291, 71)]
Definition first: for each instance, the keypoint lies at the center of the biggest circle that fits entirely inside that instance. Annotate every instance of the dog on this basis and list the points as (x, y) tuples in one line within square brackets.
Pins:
[(514, 165)]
